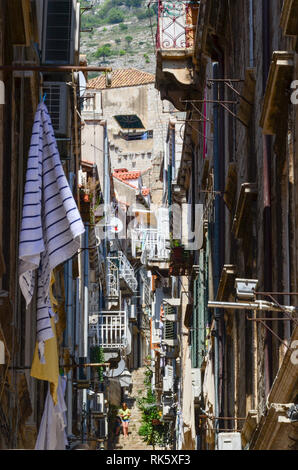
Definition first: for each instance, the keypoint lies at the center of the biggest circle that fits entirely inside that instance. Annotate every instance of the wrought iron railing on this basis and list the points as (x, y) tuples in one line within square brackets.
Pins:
[(151, 243), (126, 272), (110, 329), (176, 24), (113, 287)]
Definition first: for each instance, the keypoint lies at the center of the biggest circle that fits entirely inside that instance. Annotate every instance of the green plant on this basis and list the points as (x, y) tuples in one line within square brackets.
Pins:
[(115, 16), (128, 39), (152, 429), (105, 51), (123, 27), (97, 356)]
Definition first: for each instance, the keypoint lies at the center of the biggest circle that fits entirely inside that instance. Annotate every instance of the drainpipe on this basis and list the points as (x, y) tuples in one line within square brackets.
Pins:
[(69, 328), (216, 251), (219, 233), (86, 300), (251, 34), (267, 223), (106, 179)]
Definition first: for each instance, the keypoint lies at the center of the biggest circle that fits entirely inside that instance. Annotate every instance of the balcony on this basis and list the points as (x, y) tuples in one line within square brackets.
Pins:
[(113, 285), (151, 246), (110, 329), (127, 274), (181, 261), (120, 275), (175, 39)]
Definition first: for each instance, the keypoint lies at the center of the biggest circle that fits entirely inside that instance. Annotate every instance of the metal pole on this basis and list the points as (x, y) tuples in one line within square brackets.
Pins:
[(53, 68), (216, 251), (257, 305)]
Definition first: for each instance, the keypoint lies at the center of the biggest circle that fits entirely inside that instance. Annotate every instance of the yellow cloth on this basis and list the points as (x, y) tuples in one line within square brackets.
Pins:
[(50, 370)]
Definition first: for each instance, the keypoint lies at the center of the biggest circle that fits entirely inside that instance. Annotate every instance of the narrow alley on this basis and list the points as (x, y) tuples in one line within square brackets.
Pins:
[(149, 225)]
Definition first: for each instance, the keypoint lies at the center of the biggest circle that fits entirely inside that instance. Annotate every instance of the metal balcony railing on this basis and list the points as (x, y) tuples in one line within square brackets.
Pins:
[(176, 24), (126, 272), (110, 328), (113, 286), (151, 243)]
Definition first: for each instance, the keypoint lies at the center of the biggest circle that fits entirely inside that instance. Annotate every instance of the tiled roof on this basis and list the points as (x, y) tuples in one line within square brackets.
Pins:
[(122, 78), (127, 175)]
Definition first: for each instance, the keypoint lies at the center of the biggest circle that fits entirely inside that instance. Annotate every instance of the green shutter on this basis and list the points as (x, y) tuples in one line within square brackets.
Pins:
[(201, 316)]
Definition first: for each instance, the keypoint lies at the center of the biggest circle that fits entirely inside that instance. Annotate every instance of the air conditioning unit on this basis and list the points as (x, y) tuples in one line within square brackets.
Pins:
[(101, 428), (196, 383), (168, 379), (97, 404), (229, 441), (56, 101), (60, 30), (168, 412)]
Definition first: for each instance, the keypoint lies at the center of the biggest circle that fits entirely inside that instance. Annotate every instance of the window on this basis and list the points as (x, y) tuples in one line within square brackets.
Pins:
[(129, 121), (136, 135)]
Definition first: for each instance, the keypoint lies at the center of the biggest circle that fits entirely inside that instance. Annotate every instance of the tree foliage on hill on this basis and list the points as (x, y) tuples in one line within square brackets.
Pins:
[(115, 16), (115, 11)]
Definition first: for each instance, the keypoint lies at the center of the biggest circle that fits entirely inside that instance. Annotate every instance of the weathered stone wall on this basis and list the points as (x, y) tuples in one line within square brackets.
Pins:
[(144, 101)]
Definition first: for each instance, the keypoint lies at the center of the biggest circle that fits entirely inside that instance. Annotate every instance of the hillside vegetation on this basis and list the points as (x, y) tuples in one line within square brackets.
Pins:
[(122, 35)]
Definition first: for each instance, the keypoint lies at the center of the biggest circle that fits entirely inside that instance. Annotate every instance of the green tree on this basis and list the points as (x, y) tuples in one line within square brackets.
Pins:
[(104, 51), (123, 27), (134, 3), (128, 39), (115, 16)]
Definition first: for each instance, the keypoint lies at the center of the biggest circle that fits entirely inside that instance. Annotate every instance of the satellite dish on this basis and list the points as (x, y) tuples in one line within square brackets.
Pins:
[(118, 371), (115, 225), (82, 84)]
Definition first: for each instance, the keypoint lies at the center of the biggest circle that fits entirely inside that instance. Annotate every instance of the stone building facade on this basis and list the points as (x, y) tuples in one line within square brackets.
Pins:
[(233, 79), (136, 120)]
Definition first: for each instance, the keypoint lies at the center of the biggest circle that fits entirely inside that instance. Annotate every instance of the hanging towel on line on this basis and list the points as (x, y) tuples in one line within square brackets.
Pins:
[(51, 222)]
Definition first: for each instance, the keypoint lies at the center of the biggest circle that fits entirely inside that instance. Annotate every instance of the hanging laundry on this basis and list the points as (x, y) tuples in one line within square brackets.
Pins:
[(51, 222), (52, 431)]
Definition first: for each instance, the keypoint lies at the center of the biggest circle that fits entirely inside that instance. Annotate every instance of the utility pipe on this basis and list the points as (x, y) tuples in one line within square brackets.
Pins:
[(257, 305), (85, 323), (251, 34), (216, 253), (53, 68), (267, 222), (69, 326)]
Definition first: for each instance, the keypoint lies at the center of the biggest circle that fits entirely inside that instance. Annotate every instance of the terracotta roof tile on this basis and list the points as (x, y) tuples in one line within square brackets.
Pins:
[(127, 175), (122, 78), (145, 191)]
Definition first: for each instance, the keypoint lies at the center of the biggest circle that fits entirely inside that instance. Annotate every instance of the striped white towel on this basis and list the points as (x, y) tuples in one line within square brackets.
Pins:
[(51, 222)]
